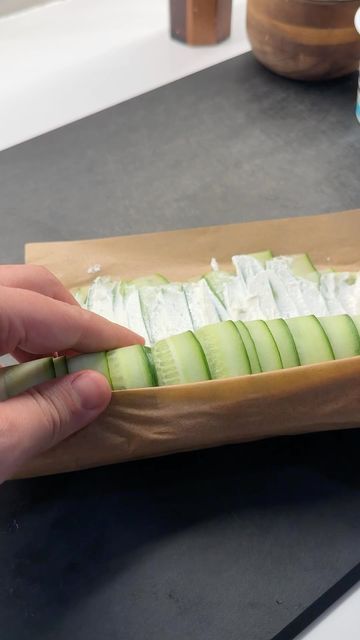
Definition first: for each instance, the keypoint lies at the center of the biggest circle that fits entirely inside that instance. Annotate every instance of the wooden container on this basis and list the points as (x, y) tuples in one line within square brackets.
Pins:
[(200, 22), (305, 39)]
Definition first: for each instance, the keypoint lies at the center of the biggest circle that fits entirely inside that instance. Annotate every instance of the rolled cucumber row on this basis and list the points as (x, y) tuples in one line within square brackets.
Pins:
[(221, 350)]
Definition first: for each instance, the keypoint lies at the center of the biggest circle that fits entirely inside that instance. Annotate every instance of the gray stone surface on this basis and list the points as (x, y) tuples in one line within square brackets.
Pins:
[(231, 143)]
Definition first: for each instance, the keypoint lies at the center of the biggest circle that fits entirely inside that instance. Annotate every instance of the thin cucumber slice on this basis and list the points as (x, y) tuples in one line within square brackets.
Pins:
[(301, 265), (96, 361), (165, 311), (262, 256), (285, 342), (20, 377), (329, 290), (60, 367), (203, 310), (216, 281), (311, 341), (294, 290), (100, 298), (356, 321), (249, 346), (179, 360), (220, 309), (265, 345), (129, 368), (134, 312), (260, 289), (246, 266), (119, 311), (81, 295), (149, 355), (149, 281), (343, 335), (224, 350)]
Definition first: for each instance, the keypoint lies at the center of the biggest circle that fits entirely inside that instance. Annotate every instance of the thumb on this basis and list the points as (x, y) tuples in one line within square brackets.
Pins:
[(41, 417)]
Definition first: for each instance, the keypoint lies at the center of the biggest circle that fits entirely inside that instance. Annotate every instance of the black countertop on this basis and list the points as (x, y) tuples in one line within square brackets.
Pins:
[(234, 543)]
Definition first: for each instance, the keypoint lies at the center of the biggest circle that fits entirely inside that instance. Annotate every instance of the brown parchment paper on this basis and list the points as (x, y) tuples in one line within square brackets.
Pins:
[(152, 422)]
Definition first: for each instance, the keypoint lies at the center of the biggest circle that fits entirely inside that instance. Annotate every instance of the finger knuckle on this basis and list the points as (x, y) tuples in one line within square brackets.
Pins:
[(53, 412)]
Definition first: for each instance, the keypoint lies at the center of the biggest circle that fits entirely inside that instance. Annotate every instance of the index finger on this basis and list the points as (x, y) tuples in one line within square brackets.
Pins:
[(38, 324), (35, 278)]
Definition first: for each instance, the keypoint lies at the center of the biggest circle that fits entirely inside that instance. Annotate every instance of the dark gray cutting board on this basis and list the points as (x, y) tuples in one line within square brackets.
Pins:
[(239, 543)]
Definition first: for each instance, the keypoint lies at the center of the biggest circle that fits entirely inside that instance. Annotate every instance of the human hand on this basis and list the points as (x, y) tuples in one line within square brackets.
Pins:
[(39, 317)]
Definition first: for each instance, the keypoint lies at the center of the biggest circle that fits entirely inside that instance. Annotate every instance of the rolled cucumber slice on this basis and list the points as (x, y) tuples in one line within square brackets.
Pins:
[(301, 265), (342, 334), (134, 312), (262, 256), (165, 311), (96, 361), (216, 281), (18, 378), (249, 346), (179, 360), (60, 367), (311, 341), (100, 298), (203, 310), (130, 368), (285, 342), (224, 350), (265, 345)]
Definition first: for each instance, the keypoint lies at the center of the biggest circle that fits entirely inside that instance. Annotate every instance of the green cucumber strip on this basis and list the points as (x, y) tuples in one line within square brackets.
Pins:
[(148, 281), (224, 350), (356, 321), (262, 256), (265, 345), (216, 281), (149, 355), (80, 294), (129, 368), (179, 360), (342, 334), (301, 265), (311, 341), (134, 311), (165, 311), (96, 361), (60, 367), (20, 377), (202, 308), (249, 346), (285, 342)]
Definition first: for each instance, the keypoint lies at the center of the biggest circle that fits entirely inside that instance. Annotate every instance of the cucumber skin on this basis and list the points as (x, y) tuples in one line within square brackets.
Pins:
[(253, 326), (18, 378), (95, 361), (249, 346), (60, 366), (276, 326)]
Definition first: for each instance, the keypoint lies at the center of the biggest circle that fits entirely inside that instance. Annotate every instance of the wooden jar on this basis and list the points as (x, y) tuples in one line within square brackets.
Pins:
[(200, 22), (305, 39)]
